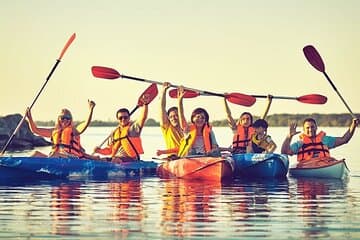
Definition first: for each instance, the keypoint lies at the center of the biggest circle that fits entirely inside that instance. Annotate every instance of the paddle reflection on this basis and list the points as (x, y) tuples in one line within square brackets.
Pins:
[(64, 206), (317, 199), (187, 206)]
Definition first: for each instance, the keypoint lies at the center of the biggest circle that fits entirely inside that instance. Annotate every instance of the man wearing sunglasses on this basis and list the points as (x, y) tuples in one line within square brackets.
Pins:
[(125, 141), (65, 137)]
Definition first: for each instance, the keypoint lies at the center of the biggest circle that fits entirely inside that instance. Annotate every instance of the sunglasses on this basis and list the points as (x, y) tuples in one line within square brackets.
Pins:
[(65, 117), (123, 117)]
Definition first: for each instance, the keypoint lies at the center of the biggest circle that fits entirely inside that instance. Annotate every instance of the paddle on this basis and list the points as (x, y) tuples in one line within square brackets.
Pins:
[(316, 61), (110, 73), (68, 43), (151, 92), (310, 98)]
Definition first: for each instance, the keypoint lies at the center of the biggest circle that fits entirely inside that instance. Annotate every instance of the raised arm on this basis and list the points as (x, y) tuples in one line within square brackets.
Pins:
[(269, 100), (144, 111), (164, 121), (182, 119), (81, 127), (230, 119), (44, 132), (348, 134), (285, 148)]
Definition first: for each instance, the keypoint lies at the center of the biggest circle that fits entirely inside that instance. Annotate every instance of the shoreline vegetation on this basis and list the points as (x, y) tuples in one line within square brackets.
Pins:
[(275, 120)]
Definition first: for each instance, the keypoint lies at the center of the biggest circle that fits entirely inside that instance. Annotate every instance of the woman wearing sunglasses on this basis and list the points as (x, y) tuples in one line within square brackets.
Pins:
[(199, 138), (64, 136)]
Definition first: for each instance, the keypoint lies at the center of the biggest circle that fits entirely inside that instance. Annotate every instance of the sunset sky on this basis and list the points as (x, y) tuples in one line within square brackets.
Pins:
[(251, 47)]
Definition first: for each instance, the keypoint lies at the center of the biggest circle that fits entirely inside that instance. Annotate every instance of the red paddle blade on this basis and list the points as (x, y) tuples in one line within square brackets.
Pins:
[(313, 99), (68, 43), (314, 58), (105, 72), (150, 93), (173, 93), (241, 99)]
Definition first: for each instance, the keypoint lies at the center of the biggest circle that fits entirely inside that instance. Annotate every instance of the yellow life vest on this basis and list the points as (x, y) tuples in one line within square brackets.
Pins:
[(131, 145), (312, 147), (187, 142), (172, 137), (66, 140), (259, 145), (242, 138)]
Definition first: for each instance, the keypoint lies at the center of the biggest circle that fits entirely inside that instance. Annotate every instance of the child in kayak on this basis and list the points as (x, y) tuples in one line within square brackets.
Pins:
[(260, 142)]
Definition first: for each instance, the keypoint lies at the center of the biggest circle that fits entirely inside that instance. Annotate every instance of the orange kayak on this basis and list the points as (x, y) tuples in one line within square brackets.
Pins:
[(201, 168)]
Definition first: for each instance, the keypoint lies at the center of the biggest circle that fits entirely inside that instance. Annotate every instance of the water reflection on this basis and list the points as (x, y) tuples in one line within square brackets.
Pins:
[(188, 207), (64, 207), (127, 206), (318, 202)]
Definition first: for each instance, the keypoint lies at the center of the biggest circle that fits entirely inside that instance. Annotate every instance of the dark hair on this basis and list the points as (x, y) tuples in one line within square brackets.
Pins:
[(199, 111), (260, 123), (122, 110), (247, 113), (171, 110), (309, 120)]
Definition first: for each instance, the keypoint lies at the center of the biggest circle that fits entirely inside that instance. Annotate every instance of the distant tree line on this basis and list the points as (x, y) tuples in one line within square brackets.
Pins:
[(276, 120)]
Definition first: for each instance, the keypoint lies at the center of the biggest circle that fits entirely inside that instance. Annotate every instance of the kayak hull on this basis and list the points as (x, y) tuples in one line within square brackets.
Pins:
[(200, 168), (321, 168), (256, 165), (40, 168)]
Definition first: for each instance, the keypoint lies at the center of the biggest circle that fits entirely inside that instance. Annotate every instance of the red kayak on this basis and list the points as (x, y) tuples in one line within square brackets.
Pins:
[(198, 167)]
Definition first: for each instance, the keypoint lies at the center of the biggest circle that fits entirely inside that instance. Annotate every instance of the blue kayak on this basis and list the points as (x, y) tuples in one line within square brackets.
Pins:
[(259, 165), (45, 168)]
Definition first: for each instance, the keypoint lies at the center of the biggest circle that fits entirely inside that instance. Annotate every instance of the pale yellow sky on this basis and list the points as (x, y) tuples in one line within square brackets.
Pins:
[(251, 47)]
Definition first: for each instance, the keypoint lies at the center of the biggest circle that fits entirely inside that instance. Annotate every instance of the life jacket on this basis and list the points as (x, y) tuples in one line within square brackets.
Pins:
[(131, 145), (66, 140), (259, 145), (242, 138), (172, 137), (188, 141), (312, 148)]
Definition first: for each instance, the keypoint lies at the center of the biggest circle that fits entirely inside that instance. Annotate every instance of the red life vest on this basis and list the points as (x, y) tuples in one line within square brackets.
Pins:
[(65, 140), (242, 138), (312, 147)]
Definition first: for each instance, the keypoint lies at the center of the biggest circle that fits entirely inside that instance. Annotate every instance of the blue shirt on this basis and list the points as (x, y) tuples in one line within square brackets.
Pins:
[(327, 140)]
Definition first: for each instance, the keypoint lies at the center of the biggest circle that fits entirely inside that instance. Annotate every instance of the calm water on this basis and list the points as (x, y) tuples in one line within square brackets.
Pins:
[(152, 208)]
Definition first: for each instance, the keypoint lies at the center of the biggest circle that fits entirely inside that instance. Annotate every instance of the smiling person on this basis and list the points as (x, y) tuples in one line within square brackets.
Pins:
[(170, 125), (199, 138), (311, 144), (125, 141), (65, 137)]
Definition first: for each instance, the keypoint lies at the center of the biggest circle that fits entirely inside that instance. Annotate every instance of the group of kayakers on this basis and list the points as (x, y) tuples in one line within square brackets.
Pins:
[(183, 138)]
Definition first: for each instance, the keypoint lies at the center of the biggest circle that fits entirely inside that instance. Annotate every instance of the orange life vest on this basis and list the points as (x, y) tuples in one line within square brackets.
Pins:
[(242, 138), (66, 140), (312, 147), (131, 145), (187, 142)]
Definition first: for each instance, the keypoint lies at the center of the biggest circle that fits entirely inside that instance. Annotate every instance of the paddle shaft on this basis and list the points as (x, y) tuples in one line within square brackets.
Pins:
[(32, 104), (338, 93), (71, 39), (275, 97), (172, 85)]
